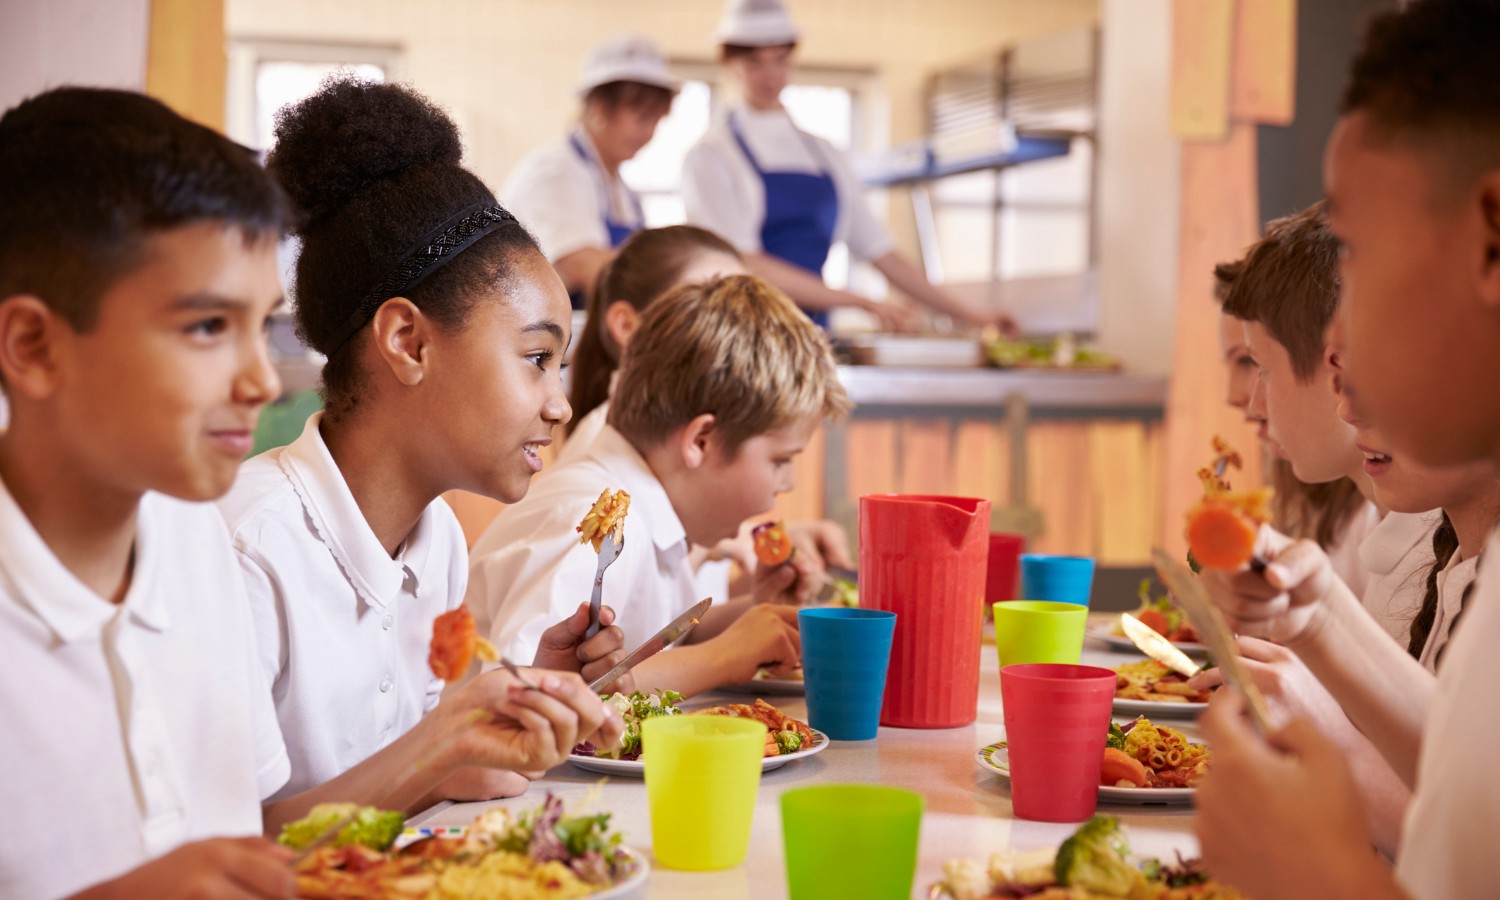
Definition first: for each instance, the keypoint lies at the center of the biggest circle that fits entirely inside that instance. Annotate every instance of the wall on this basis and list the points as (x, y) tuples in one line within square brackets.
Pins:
[(505, 68), (45, 43)]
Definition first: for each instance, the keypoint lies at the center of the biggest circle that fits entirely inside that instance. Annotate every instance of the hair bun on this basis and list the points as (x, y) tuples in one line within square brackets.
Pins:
[(352, 133)]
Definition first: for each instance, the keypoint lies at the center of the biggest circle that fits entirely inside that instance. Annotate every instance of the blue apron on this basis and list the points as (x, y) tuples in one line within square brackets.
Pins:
[(618, 231), (801, 212)]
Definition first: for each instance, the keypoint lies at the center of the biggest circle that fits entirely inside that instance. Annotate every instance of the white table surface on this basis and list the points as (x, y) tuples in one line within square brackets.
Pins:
[(967, 814)]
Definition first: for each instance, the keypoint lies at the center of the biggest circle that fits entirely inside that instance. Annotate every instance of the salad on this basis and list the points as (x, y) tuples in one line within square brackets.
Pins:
[(541, 852), (1162, 616), (1093, 863), (634, 708)]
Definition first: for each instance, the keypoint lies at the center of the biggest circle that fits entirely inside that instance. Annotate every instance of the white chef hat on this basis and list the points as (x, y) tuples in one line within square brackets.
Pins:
[(756, 23), (625, 57)]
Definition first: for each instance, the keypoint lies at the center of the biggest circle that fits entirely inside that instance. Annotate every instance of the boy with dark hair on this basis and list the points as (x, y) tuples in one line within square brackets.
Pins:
[(1413, 178)]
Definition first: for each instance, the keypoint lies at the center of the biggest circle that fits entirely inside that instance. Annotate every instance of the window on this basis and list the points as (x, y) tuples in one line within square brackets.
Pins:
[(265, 76)]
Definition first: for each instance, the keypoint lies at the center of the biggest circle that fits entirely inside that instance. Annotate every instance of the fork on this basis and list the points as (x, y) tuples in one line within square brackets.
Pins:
[(519, 675), (609, 551)]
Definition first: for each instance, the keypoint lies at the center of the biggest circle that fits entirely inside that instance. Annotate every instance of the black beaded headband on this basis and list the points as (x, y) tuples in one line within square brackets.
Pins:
[(436, 249)]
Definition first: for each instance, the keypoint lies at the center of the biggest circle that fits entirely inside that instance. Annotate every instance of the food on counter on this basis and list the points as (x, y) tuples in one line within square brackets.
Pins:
[(1093, 864), (1153, 681), (1222, 527), (1162, 616), (371, 828), (634, 708), (604, 518), (541, 853), (1167, 758), (1061, 352), (772, 545), (455, 643), (784, 734)]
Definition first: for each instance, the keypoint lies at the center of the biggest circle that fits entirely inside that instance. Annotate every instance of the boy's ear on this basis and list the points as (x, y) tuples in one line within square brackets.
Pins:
[(1489, 206), (402, 339), (694, 439), (621, 320), (29, 330)]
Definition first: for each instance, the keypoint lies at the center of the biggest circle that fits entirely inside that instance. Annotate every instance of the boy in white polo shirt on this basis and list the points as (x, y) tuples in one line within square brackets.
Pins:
[(721, 387), (137, 272)]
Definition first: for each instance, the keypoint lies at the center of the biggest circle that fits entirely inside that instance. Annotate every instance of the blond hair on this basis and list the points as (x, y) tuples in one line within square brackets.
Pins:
[(734, 347)]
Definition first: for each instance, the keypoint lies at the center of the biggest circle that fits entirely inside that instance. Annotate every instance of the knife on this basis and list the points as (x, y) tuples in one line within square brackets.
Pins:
[(1157, 647), (658, 642), (1194, 600)]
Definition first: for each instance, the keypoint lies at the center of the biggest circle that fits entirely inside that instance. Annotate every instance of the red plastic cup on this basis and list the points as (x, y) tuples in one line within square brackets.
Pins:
[(923, 558), (1004, 567), (1056, 723)]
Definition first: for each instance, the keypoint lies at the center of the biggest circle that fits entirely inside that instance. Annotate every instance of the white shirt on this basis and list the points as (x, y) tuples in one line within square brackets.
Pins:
[(1452, 582), (563, 199), (1448, 838), (723, 193), (343, 629), (1396, 556), (127, 730), (528, 571), (1343, 553)]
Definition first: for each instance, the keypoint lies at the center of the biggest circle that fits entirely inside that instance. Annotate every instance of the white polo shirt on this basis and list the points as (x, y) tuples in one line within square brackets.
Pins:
[(127, 730), (1452, 582), (563, 198), (1343, 553), (343, 629), (528, 571), (723, 193), (1396, 557), (1448, 839)]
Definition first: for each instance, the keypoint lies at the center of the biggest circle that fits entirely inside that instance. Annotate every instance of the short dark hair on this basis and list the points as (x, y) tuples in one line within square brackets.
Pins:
[(1289, 282), (371, 169), (1224, 275), (1427, 73), (613, 95), (88, 174)]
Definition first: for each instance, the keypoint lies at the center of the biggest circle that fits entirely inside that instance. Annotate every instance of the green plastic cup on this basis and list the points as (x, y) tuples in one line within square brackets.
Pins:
[(1039, 631), (850, 840), (702, 773)]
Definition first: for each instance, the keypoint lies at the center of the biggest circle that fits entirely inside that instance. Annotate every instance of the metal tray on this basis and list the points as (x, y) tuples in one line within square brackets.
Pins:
[(916, 351)]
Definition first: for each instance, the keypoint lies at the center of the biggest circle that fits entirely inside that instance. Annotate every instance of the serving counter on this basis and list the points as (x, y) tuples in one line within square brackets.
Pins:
[(967, 811)]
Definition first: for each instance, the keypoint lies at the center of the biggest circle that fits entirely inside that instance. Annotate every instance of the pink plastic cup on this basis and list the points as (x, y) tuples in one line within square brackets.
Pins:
[(1003, 568), (1056, 722)]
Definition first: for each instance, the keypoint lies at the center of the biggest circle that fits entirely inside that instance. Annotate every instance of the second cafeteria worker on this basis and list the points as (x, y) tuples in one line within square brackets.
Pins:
[(781, 196), (569, 192)]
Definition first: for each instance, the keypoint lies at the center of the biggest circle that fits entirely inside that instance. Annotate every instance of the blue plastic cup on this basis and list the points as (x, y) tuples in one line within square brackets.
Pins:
[(1061, 579), (845, 655)]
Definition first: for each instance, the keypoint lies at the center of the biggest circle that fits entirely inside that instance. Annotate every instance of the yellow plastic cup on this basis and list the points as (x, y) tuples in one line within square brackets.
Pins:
[(702, 774), (1039, 631)]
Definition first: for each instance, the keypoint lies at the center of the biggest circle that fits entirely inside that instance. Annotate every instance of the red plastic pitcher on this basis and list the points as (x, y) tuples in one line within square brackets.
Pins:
[(923, 558)]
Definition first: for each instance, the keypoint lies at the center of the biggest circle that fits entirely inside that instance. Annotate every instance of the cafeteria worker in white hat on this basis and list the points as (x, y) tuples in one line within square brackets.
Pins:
[(569, 192), (782, 197)]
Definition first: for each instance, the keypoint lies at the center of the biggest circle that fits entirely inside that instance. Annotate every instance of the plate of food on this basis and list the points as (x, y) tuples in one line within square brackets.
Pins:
[(1149, 688), (1095, 861), (764, 682), (787, 739), (1144, 764), (1159, 614), (543, 851)]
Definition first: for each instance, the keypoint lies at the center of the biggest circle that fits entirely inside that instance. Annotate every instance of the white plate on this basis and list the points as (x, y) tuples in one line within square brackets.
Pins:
[(629, 886), (995, 760), (634, 768), (769, 686), (1153, 709), (1104, 631)]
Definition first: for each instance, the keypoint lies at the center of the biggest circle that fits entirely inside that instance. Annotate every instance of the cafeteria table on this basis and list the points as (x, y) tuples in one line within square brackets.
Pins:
[(967, 812)]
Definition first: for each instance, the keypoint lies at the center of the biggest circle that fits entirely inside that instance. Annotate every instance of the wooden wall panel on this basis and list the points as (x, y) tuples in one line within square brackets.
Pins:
[(1263, 74), (186, 65), (1202, 40), (1125, 508), (1060, 485), (927, 455)]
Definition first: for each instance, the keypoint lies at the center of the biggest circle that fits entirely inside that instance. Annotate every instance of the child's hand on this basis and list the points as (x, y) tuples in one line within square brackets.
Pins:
[(1286, 603), (1282, 819), (472, 783), (765, 636), (782, 584), (527, 730), (234, 868), (563, 647), (824, 540), (1290, 688)]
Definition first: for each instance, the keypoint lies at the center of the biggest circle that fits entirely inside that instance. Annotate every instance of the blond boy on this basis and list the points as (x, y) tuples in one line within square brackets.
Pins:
[(721, 388)]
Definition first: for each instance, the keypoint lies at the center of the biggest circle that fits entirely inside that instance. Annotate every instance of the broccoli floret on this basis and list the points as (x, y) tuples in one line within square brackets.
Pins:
[(1094, 859), (788, 741), (1116, 737), (371, 827)]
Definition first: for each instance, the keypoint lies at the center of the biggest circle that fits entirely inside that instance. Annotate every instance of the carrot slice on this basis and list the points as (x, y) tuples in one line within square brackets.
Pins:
[(772, 546), (1220, 536), (1119, 766)]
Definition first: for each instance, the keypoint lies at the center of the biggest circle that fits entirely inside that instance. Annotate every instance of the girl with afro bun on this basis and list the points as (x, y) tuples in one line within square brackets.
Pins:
[(444, 329)]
